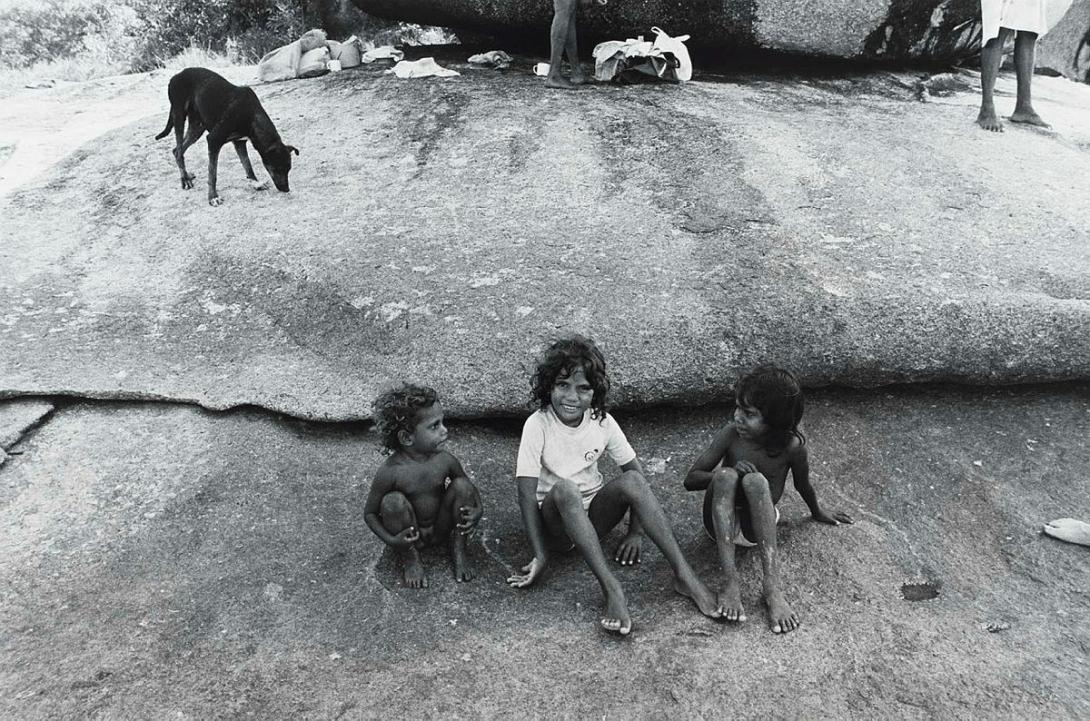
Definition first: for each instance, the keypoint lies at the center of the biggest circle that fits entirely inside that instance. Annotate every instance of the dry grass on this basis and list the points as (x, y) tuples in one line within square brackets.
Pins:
[(94, 63)]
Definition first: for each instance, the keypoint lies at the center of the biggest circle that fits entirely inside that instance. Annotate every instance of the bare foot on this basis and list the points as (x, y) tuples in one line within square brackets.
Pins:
[(556, 80), (577, 77), (617, 619), (730, 602), (703, 598), (989, 121), (782, 617), (1070, 530), (414, 571), (1028, 117), (463, 569)]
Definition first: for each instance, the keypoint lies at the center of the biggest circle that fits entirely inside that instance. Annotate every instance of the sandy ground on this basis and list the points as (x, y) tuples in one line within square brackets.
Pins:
[(163, 561)]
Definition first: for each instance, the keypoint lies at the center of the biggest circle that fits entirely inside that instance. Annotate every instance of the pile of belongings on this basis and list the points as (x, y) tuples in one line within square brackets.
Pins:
[(498, 59), (636, 59), (308, 57)]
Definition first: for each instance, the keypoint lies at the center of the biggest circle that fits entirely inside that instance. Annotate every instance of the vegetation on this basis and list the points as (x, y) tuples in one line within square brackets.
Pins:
[(82, 39)]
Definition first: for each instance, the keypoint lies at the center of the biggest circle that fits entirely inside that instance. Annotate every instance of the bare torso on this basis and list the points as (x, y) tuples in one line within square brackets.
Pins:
[(422, 482)]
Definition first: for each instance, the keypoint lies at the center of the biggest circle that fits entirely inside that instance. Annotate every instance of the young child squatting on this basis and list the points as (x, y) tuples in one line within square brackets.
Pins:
[(420, 496)]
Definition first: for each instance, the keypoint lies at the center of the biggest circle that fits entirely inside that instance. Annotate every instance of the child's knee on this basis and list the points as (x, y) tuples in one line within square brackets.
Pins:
[(566, 495), (463, 489), (395, 506), (724, 479), (755, 483)]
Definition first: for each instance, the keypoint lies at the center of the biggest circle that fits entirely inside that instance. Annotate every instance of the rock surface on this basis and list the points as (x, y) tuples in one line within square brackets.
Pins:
[(444, 230), (882, 29), (1066, 47), (164, 562)]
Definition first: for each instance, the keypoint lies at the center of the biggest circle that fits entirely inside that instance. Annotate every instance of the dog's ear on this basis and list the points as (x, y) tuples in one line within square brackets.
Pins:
[(292, 149)]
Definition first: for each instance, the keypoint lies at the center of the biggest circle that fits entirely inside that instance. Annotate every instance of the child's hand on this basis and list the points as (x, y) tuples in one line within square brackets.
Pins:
[(834, 520), (628, 551), (468, 518), (530, 571), (744, 468), (406, 538)]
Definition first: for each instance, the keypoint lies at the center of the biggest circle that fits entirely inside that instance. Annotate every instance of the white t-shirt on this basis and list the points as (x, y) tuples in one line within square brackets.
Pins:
[(550, 451)]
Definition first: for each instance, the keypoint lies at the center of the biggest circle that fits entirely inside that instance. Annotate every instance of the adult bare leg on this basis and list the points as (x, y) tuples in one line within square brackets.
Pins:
[(1025, 46), (991, 56)]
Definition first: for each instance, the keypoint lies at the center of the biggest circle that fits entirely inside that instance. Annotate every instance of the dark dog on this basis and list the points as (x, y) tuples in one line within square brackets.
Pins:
[(230, 114)]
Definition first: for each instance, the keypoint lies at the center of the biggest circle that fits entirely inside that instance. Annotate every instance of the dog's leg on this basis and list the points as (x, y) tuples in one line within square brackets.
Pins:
[(213, 160), (193, 133), (244, 158)]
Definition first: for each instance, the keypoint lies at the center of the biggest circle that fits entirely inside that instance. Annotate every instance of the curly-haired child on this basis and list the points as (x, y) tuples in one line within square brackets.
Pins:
[(743, 473), (564, 503), (420, 496)]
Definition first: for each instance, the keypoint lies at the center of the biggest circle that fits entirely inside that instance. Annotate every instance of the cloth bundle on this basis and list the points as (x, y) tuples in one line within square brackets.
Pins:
[(308, 57), (665, 58)]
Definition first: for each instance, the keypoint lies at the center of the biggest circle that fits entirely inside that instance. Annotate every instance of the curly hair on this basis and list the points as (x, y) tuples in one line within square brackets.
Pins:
[(563, 358), (777, 394), (398, 409)]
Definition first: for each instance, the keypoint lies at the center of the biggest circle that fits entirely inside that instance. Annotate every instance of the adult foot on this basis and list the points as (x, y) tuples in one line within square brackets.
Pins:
[(414, 571), (617, 619), (1028, 117), (730, 601), (692, 587), (463, 569), (783, 619), (1069, 529), (556, 80), (578, 78), (989, 121)]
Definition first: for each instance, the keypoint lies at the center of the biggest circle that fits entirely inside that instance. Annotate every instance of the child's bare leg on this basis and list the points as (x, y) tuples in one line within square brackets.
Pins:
[(763, 515), (461, 493), (571, 49), (723, 491), (1025, 45), (631, 490), (991, 56), (563, 507), (563, 19), (397, 514)]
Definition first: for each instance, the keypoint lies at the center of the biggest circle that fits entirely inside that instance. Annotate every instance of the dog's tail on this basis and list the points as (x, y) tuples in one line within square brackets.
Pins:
[(167, 129)]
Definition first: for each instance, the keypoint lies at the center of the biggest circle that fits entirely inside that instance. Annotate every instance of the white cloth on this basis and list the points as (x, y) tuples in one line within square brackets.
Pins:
[(422, 68), (386, 52), (551, 451), (1026, 15)]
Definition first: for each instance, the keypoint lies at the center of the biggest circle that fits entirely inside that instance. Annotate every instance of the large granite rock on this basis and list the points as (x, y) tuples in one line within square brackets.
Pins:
[(1066, 47), (941, 29), (443, 230)]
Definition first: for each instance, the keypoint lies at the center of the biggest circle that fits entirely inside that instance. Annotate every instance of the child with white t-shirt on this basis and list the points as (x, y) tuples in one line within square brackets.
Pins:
[(565, 504)]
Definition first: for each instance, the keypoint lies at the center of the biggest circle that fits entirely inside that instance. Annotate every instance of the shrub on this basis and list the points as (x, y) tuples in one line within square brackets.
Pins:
[(170, 26), (53, 29)]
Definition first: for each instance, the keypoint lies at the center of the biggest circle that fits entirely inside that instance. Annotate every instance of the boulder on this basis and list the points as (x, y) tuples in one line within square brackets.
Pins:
[(871, 29), (1066, 47)]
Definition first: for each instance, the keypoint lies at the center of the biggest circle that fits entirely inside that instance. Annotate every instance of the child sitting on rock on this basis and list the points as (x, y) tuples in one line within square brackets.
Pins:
[(420, 496), (743, 473), (562, 40), (565, 504)]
